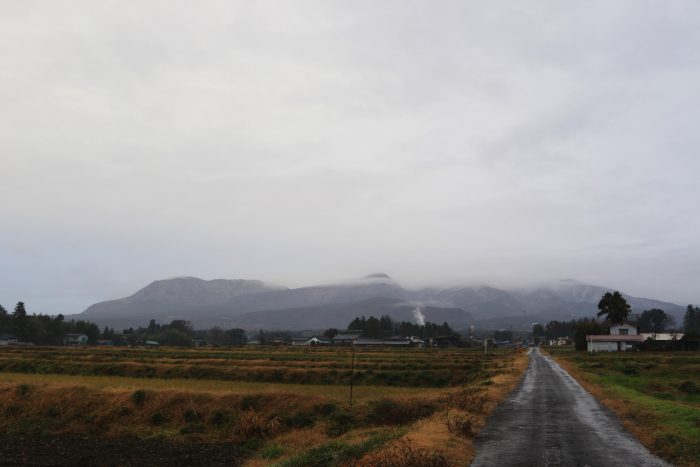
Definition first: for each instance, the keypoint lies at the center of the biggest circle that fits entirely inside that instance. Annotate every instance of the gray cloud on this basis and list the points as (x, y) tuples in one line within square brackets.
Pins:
[(310, 141)]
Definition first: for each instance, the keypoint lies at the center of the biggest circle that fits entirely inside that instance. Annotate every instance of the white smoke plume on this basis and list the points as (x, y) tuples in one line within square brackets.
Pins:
[(419, 316)]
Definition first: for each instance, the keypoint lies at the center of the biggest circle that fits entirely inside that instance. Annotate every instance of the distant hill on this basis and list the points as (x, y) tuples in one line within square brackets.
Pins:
[(178, 298), (254, 304)]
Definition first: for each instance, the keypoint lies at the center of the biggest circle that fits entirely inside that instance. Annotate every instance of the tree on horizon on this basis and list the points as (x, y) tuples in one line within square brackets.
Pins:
[(614, 307)]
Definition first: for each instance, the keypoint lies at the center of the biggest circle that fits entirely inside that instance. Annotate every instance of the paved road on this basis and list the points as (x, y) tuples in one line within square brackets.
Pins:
[(550, 420)]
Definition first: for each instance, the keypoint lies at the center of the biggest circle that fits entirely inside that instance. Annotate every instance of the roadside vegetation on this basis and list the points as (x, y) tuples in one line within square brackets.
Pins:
[(409, 411), (657, 395)]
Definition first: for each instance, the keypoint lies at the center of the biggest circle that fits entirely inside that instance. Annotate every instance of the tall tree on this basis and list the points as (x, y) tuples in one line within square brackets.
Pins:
[(3, 314), (236, 336), (691, 320), (614, 307), (654, 320), (20, 312), (584, 327), (153, 327), (20, 319)]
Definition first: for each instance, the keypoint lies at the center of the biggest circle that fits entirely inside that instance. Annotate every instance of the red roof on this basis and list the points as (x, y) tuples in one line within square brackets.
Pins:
[(615, 338)]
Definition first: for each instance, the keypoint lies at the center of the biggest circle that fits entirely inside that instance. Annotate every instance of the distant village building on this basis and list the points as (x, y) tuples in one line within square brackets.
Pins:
[(559, 342), (622, 338), (151, 344), (394, 342), (278, 340), (346, 337), (451, 340), (75, 339), (8, 339), (310, 341), (662, 336)]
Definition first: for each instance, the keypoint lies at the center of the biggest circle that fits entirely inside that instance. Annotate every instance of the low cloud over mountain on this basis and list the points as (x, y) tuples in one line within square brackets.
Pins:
[(253, 304)]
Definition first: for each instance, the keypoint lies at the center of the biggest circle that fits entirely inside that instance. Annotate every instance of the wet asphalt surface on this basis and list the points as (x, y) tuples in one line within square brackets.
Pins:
[(550, 420)]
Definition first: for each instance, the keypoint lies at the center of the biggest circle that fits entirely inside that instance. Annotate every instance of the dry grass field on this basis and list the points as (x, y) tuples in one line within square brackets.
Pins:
[(255, 406)]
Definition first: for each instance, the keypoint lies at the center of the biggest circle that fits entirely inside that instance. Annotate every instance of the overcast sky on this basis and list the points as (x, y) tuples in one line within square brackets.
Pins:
[(309, 141)]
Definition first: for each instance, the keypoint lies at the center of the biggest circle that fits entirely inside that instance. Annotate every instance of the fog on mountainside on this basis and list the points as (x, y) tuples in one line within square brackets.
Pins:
[(253, 304)]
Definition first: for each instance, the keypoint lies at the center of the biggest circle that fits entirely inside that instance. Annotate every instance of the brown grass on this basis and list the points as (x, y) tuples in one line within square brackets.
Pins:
[(120, 383), (404, 452), (443, 433), (439, 422)]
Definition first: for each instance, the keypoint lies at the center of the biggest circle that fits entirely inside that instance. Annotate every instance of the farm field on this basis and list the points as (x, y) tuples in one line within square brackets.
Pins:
[(326, 366), (657, 395), (248, 406)]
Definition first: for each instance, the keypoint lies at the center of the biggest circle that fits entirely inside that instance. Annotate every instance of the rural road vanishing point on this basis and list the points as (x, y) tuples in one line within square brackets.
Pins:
[(550, 420)]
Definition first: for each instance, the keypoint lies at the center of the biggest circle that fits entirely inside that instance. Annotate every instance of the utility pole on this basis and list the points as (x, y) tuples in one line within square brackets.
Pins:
[(352, 370)]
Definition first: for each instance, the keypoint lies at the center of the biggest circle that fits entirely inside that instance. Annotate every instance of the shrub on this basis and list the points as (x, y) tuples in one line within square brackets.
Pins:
[(23, 390), (220, 418), (662, 395), (465, 425), (394, 412), (252, 425), (300, 420), (339, 423), (272, 451), (191, 416), (326, 409), (403, 453), (689, 387), (192, 428), (251, 402), (158, 418), (337, 453), (469, 401), (139, 397), (251, 445)]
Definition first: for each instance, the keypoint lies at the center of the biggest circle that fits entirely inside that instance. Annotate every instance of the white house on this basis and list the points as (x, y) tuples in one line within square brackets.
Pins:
[(75, 339), (622, 338)]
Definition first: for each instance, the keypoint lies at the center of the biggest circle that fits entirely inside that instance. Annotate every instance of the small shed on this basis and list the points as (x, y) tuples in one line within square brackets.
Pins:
[(75, 339)]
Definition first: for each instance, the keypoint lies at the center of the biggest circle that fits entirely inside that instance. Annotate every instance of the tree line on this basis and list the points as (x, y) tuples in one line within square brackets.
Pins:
[(384, 327), (180, 332), (43, 329)]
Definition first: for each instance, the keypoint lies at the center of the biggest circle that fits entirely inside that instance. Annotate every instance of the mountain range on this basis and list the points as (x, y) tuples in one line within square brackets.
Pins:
[(253, 304)]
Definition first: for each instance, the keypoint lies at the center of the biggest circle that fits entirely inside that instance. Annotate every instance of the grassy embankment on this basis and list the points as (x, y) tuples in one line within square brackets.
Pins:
[(425, 416), (657, 396)]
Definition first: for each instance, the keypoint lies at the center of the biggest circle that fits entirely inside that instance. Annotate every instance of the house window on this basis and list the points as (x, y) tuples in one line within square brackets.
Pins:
[(623, 332)]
